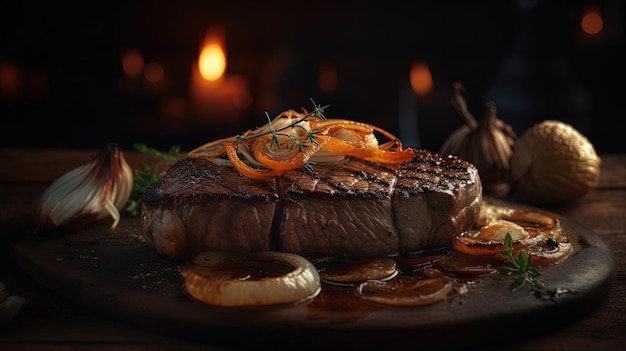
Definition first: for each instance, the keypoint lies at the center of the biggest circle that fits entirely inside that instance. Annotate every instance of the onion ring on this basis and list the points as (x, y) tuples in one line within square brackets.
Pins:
[(233, 279)]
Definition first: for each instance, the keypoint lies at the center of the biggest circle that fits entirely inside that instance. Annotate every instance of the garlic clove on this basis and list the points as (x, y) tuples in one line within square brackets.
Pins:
[(88, 193), (488, 144)]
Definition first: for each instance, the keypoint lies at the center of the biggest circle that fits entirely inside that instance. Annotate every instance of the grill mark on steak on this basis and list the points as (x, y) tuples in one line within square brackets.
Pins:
[(199, 206), (357, 209), (337, 211), (436, 197)]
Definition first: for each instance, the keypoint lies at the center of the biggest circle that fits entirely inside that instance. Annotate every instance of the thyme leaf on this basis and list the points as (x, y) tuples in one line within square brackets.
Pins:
[(521, 265), (148, 174)]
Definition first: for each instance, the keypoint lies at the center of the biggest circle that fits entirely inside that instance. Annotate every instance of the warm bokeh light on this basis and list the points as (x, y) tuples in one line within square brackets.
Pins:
[(591, 22), (421, 79), (132, 63), (153, 72), (242, 99), (212, 59), (10, 79), (327, 77), (174, 108)]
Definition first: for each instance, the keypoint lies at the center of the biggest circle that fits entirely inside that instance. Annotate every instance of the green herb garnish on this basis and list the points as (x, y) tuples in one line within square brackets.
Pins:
[(318, 111), (522, 266), (294, 141), (148, 174)]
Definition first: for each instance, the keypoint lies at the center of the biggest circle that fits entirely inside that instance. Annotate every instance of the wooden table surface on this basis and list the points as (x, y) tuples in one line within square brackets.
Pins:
[(49, 322)]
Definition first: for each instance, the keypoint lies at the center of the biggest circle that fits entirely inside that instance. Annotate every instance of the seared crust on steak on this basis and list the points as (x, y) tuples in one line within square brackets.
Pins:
[(199, 206), (435, 198), (339, 211), (357, 208)]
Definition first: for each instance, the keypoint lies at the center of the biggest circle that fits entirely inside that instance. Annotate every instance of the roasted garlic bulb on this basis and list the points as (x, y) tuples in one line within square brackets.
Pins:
[(89, 193), (488, 144), (554, 164)]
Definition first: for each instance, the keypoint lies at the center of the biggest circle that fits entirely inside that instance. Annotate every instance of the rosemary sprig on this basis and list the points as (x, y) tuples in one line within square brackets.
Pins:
[(318, 111), (521, 265), (148, 174)]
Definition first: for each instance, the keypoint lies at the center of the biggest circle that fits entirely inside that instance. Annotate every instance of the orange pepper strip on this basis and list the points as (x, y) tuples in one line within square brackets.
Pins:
[(250, 172), (386, 146), (361, 135), (353, 125), (368, 153), (383, 156), (335, 124), (295, 161)]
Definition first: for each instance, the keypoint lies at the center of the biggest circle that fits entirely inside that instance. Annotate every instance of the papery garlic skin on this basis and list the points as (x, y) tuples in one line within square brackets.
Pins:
[(88, 193), (488, 144)]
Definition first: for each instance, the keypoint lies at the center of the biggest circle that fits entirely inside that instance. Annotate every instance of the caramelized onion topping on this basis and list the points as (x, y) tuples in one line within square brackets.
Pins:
[(294, 140)]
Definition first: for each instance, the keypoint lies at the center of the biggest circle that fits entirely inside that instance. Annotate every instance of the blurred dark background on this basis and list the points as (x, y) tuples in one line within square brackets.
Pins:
[(63, 82)]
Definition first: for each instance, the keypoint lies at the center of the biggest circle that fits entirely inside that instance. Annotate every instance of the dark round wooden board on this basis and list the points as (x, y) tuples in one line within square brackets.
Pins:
[(116, 274)]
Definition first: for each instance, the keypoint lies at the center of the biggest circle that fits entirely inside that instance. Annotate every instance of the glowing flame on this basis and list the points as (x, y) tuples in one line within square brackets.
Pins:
[(421, 79), (212, 59)]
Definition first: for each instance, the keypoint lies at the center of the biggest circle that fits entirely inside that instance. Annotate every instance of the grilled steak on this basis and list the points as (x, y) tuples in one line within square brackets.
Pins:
[(199, 206), (342, 211), (435, 198), (358, 208)]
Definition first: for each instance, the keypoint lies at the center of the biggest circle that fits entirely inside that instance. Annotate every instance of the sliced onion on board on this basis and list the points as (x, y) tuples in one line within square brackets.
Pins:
[(250, 279), (544, 254), (405, 291), (530, 231), (352, 270)]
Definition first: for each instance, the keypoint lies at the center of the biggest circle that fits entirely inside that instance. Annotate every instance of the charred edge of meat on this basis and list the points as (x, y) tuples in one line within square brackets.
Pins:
[(152, 194)]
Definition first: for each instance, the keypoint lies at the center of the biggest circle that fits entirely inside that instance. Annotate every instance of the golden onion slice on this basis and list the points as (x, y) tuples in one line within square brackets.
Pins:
[(405, 291), (541, 222), (526, 228), (497, 230), (352, 270), (250, 279), (544, 254), (489, 240)]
